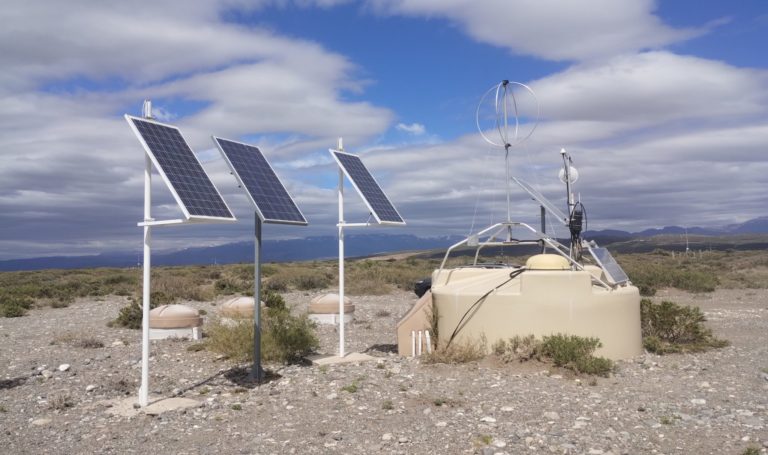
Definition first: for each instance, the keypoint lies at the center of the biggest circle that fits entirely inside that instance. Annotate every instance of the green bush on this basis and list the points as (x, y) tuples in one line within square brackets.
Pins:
[(284, 337), (287, 338), (131, 315), (668, 327), (575, 353), (272, 299), (12, 306)]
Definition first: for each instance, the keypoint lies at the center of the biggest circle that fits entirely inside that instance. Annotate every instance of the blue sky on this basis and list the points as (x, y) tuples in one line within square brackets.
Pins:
[(664, 106)]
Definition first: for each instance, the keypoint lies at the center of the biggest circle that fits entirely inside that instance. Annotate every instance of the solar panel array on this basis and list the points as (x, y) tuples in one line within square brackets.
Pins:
[(181, 170), (272, 201), (542, 200), (612, 269), (366, 185)]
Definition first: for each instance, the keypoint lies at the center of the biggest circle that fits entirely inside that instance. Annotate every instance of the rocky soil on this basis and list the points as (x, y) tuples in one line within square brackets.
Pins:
[(59, 393)]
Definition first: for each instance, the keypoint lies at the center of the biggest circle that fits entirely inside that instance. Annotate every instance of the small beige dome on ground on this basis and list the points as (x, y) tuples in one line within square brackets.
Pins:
[(238, 307), (325, 309), (174, 321)]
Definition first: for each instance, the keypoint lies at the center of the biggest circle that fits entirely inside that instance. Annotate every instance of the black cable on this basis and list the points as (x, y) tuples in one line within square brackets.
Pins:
[(514, 274)]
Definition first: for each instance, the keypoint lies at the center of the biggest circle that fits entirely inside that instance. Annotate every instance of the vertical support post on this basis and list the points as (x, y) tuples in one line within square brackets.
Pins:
[(341, 256), (257, 372), (145, 301), (543, 214)]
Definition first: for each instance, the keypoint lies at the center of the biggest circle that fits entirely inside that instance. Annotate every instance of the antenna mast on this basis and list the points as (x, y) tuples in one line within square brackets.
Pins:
[(506, 103)]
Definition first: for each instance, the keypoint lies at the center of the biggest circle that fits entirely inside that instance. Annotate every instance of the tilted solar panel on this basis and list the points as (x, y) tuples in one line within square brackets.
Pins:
[(266, 191), (180, 169), (378, 203), (612, 269)]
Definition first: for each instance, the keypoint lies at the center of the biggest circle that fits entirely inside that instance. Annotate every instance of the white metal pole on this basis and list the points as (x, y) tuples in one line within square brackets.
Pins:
[(145, 301), (341, 257), (257, 372)]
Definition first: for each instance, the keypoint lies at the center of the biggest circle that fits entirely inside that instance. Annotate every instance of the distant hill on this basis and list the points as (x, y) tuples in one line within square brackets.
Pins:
[(323, 247), (748, 235)]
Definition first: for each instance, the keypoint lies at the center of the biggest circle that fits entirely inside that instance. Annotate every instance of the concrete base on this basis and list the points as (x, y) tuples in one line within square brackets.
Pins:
[(325, 359), (193, 333), (128, 407), (331, 318)]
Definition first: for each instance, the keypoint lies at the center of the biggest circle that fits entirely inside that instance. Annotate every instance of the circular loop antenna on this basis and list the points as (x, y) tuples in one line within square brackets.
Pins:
[(573, 175), (515, 115)]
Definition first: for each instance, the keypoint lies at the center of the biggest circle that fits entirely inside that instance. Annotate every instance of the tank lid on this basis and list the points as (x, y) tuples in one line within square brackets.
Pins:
[(547, 262)]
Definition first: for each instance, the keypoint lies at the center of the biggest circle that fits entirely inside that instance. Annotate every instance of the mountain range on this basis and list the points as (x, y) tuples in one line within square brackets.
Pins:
[(326, 247)]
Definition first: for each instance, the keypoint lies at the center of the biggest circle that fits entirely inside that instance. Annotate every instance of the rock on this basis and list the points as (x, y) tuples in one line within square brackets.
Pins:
[(441, 424), (386, 437), (499, 443), (488, 419), (47, 373), (40, 422), (117, 343), (595, 452), (487, 451), (551, 415), (90, 388), (403, 439), (331, 396), (698, 401), (507, 409)]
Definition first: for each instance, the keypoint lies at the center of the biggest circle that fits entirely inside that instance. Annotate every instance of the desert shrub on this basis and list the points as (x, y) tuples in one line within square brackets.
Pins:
[(575, 353), (12, 306), (458, 352), (60, 401), (229, 286), (517, 348), (284, 337), (310, 280), (650, 275), (131, 315), (668, 327), (272, 299), (277, 283)]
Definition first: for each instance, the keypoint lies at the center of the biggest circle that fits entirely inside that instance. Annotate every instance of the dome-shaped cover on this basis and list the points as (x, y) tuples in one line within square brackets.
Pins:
[(238, 307), (329, 304), (547, 262), (174, 317)]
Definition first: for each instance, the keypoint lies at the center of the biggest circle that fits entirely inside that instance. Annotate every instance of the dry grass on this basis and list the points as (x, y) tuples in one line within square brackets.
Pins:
[(459, 352)]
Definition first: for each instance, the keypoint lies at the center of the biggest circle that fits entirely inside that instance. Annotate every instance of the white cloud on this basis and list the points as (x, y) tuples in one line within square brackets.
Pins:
[(416, 129), (551, 29), (73, 169)]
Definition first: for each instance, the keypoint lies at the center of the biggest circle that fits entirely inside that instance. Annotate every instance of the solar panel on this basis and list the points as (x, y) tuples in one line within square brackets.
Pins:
[(180, 169), (612, 269), (266, 191), (542, 200), (377, 202)]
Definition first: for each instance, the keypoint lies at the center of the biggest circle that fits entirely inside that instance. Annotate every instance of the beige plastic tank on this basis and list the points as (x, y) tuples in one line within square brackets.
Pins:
[(174, 317)]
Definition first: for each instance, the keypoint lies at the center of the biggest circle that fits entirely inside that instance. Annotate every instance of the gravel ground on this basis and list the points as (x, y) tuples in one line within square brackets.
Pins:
[(57, 395)]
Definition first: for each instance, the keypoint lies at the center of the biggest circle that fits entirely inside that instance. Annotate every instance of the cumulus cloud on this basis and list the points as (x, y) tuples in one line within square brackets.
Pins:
[(551, 29), (416, 129), (72, 167)]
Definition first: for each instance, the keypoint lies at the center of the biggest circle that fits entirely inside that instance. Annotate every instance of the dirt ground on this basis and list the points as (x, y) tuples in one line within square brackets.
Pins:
[(58, 394)]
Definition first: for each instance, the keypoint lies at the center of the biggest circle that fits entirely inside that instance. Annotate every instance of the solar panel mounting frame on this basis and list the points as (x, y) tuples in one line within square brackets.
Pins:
[(241, 182), (187, 215), (362, 195), (543, 201)]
